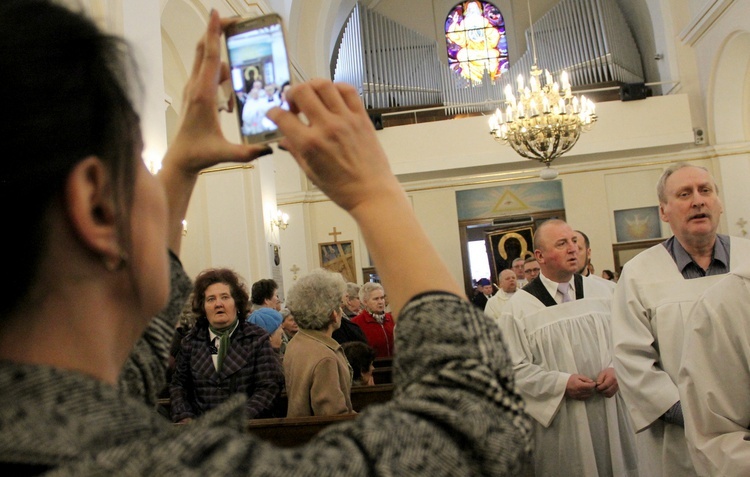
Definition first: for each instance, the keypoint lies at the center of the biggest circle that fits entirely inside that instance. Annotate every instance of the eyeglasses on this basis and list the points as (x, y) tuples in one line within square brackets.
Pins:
[(532, 270)]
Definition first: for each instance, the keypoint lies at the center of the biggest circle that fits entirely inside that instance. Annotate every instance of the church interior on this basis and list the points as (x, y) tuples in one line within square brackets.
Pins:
[(670, 81)]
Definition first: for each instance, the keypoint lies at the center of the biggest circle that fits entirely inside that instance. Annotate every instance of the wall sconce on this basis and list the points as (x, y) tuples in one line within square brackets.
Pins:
[(184, 228), (281, 220)]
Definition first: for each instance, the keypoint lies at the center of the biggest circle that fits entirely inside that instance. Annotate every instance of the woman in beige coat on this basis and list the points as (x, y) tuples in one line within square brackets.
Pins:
[(317, 373)]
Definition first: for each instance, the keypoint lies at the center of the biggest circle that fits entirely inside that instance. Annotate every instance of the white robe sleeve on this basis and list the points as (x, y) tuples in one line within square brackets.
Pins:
[(714, 382), (647, 389)]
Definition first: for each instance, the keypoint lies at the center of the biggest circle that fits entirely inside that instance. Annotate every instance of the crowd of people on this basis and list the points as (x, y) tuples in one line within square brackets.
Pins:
[(566, 370)]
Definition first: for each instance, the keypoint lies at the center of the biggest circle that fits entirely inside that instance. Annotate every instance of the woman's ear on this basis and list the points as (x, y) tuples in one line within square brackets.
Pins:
[(90, 205)]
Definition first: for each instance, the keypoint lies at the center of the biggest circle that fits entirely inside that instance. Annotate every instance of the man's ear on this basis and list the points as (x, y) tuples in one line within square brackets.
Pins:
[(538, 256), (90, 206), (662, 214)]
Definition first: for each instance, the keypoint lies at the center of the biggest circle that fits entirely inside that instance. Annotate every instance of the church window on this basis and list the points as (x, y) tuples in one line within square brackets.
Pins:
[(476, 41)]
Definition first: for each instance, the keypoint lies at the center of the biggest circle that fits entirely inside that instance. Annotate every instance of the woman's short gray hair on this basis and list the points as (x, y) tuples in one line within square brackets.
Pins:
[(314, 297), (367, 289), (352, 289)]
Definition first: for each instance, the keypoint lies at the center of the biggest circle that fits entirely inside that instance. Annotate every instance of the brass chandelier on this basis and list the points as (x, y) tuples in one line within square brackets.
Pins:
[(543, 120)]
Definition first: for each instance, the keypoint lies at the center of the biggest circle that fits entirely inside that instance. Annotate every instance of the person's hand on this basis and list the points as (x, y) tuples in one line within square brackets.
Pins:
[(199, 142), (579, 387), (606, 382), (337, 148)]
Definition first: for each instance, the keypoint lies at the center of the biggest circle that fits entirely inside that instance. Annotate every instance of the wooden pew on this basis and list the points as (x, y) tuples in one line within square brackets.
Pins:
[(362, 396), (383, 362), (383, 375), (293, 431)]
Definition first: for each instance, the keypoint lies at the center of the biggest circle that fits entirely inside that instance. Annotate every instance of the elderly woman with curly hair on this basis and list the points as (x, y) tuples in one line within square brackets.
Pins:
[(223, 354), (317, 373)]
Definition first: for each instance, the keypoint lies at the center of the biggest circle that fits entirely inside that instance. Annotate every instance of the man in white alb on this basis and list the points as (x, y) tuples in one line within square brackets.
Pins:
[(558, 333), (508, 286), (656, 290)]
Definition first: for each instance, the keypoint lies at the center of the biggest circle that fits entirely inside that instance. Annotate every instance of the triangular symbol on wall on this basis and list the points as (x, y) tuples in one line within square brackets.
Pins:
[(509, 202)]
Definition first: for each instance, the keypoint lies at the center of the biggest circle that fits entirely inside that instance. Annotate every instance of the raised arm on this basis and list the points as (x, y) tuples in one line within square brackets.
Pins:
[(454, 387), (199, 142)]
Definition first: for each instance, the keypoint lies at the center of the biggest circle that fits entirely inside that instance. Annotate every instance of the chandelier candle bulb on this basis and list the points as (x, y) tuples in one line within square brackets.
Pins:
[(564, 81), (533, 111)]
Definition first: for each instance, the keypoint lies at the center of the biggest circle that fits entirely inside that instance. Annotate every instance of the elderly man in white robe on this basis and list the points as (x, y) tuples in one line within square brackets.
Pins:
[(656, 290), (507, 287), (558, 333)]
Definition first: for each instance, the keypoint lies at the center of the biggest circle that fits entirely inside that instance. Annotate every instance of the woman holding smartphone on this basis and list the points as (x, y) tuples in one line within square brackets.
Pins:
[(90, 269)]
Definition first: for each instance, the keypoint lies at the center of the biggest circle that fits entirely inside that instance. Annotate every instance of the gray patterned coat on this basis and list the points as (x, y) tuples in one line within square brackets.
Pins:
[(454, 412)]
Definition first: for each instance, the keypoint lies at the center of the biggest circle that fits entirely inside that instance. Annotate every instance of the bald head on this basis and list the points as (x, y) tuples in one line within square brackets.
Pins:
[(540, 235), (508, 281), (556, 250)]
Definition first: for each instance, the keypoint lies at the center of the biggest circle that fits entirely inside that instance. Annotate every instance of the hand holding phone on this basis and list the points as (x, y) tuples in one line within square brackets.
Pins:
[(260, 71)]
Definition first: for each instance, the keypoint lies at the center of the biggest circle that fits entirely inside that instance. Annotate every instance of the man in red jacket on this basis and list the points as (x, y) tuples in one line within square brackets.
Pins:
[(374, 321)]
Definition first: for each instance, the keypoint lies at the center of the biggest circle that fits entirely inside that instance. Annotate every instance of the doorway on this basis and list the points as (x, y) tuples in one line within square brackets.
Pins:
[(489, 245)]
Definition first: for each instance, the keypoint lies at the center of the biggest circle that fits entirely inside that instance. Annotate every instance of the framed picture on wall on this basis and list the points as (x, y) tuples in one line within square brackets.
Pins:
[(622, 252), (637, 224), (506, 244), (338, 257)]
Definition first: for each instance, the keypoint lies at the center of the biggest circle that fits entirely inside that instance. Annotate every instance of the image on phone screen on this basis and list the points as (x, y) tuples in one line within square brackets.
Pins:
[(260, 78)]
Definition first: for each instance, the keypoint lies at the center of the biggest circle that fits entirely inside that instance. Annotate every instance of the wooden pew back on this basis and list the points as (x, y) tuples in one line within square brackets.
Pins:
[(293, 431)]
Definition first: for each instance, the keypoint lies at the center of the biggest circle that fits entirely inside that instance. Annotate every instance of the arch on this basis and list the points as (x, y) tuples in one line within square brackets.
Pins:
[(729, 93)]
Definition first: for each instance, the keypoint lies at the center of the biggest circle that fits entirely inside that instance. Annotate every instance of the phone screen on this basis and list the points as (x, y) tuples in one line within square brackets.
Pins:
[(260, 76)]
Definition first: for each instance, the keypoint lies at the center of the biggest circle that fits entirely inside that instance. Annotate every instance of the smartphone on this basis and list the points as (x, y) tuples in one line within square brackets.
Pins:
[(260, 74)]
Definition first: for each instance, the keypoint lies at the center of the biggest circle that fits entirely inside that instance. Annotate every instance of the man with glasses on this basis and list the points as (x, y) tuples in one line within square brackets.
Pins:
[(530, 269)]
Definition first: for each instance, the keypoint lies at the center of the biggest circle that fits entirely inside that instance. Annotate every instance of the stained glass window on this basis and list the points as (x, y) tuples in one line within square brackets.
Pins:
[(476, 41)]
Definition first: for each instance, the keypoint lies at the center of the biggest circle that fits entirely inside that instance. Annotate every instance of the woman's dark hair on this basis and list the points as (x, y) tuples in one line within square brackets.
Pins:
[(360, 356), (220, 275), (65, 95), (263, 290)]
